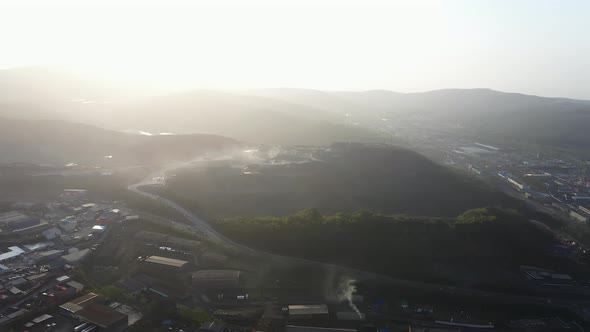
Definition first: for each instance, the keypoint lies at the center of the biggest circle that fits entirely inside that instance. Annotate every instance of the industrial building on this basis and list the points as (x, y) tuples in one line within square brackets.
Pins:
[(165, 262), (12, 253), (578, 216), (38, 246), (308, 311), (546, 277), (107, 318), (73, 195), (73, 307), (98, 228), (14, 221), (108, 217), (165, 239), (216, 279), (75, 285), (517, 183), (51, 233), (45, 256), (68, 225), (75, 257)]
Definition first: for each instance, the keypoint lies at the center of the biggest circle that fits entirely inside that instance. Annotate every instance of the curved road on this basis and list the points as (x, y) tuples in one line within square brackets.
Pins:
[(205, 228)]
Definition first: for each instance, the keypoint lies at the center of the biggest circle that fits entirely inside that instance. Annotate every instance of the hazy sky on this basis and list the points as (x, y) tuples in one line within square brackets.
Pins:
[(538, 47)]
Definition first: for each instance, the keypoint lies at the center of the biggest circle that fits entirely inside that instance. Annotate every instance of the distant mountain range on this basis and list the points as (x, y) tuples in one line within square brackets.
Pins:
[(558, 122), (58, 142), (290, 116)]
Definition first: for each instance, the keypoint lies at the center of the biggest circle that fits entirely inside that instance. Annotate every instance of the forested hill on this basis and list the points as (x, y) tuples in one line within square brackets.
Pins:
[(477, 242), (349, 177)]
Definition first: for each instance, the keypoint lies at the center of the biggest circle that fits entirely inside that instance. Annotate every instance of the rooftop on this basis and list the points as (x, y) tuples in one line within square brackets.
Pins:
[(74, 284), (12, 216), (37, 246), (308, 309), (41, 318), (13, 252), (75, 256), (47, 253), (166, 261), (101, 315), (78, 304), (74, 190)]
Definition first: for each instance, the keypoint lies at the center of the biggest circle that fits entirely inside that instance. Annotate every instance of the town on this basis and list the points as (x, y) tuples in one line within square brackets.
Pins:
[(76, 265), (551, 180)]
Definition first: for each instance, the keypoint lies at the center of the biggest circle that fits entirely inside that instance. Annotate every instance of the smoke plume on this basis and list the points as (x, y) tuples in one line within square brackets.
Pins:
[(347, 289)]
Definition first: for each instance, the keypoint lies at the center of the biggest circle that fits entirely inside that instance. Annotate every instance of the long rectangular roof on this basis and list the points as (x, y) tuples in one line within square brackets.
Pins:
[(42, 318), (166, 261), (78, 304), (101, 315), (308, 309), (75, 256), (12, 216), (14, 251)]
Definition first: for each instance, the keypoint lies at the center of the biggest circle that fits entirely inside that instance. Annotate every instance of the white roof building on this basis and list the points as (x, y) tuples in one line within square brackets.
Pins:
[(12, 253)]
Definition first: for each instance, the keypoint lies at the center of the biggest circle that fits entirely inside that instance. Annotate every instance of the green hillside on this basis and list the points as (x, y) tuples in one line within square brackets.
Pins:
[(458, 250)]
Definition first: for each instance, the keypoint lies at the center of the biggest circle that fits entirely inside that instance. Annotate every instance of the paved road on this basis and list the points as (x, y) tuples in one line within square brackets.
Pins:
[(205, 228)]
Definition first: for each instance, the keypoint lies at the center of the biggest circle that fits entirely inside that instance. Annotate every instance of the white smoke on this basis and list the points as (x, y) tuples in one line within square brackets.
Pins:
[(347, 288)]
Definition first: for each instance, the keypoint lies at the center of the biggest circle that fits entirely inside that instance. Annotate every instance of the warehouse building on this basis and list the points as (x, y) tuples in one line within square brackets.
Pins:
[(78, 287), (38, 246), (68, 225), (517, 183), (165, 239), (73, 307), (73, 195), (51, 233), (308, 312), (14, 221), (578, 217), (75, 257), (216, 279), (45, 256), (106, 318), (165, 262), (12, 253)]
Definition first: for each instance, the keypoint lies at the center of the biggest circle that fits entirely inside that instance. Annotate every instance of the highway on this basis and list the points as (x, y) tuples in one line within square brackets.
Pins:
[(200, 225)]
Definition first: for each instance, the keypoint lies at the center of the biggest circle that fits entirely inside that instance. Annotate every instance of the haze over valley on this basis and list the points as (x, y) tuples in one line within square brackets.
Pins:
[(294, 166)]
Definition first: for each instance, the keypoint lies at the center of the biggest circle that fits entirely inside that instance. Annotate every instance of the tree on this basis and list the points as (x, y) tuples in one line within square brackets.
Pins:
[(193, 315), (476, 216)]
